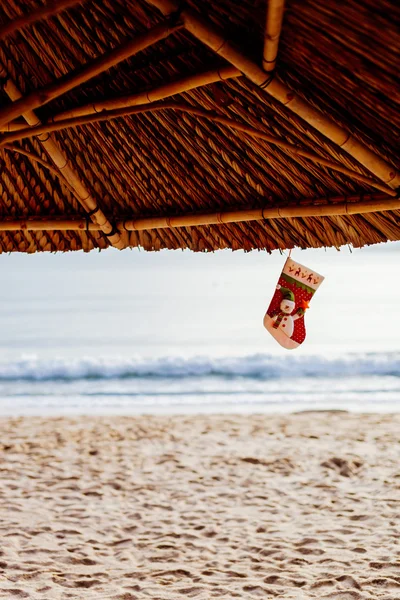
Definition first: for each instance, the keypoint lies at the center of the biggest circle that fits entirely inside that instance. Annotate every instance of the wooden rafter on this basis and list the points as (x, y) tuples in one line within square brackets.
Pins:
[(217, 41), (92, 69), (273, 27), (296, 150), (336, 207), (81, 193), (43, 12)]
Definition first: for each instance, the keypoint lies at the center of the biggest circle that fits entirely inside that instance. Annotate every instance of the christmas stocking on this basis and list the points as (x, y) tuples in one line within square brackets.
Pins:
[(284, 318)]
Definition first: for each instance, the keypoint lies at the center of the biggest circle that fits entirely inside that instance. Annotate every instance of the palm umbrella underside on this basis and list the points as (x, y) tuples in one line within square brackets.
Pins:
[(201, 125)]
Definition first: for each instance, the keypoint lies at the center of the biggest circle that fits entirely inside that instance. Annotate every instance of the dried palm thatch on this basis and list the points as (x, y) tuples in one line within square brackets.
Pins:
[(203, 125)]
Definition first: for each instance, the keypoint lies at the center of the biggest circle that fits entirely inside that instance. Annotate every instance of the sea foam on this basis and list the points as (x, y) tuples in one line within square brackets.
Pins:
[(256, 366)]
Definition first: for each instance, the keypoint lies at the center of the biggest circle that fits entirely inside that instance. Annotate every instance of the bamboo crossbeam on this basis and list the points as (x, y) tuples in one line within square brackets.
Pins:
[(43, 12), (273, 27), (159, 93), (59, 158), (251, 131), (78, 77), (217, 41), (14, 126), (337, 207)]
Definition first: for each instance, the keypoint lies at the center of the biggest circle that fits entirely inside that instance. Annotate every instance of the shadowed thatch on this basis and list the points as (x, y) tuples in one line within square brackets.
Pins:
[(199, 125)]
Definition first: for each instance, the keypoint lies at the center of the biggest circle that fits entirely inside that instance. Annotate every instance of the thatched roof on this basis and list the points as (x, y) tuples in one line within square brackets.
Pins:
[(221, 148)]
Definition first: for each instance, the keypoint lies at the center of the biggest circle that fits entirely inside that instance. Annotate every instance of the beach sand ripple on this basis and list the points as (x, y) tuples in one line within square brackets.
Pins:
[(125, 508)]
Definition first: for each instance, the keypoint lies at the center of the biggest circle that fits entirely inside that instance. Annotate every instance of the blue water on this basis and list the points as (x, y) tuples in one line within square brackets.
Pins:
[(133, 332)]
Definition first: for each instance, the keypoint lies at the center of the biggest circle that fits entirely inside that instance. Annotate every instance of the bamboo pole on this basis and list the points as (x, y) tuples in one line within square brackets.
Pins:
[(215, 39), (251, 131), (159, 93), (81, 193), (14, 126), (43, 12), (337, 207), (90, 70), (273, 27)]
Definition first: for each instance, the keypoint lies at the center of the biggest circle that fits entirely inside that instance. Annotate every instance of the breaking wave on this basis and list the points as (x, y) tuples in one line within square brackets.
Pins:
[(257, 366)]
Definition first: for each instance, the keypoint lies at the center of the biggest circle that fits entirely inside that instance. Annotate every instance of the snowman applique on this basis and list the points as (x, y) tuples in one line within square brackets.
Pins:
[(283, 318)]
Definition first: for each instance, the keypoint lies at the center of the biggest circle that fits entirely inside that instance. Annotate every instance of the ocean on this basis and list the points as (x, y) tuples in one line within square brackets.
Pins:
[(175, 332)]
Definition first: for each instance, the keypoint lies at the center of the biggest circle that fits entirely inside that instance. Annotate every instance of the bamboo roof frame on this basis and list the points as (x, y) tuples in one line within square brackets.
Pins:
[(217, 41), (178, 17), (273, 27)]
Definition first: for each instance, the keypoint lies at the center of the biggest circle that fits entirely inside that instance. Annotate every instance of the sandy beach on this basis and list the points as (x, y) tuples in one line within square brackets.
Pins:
[(299, 506)]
